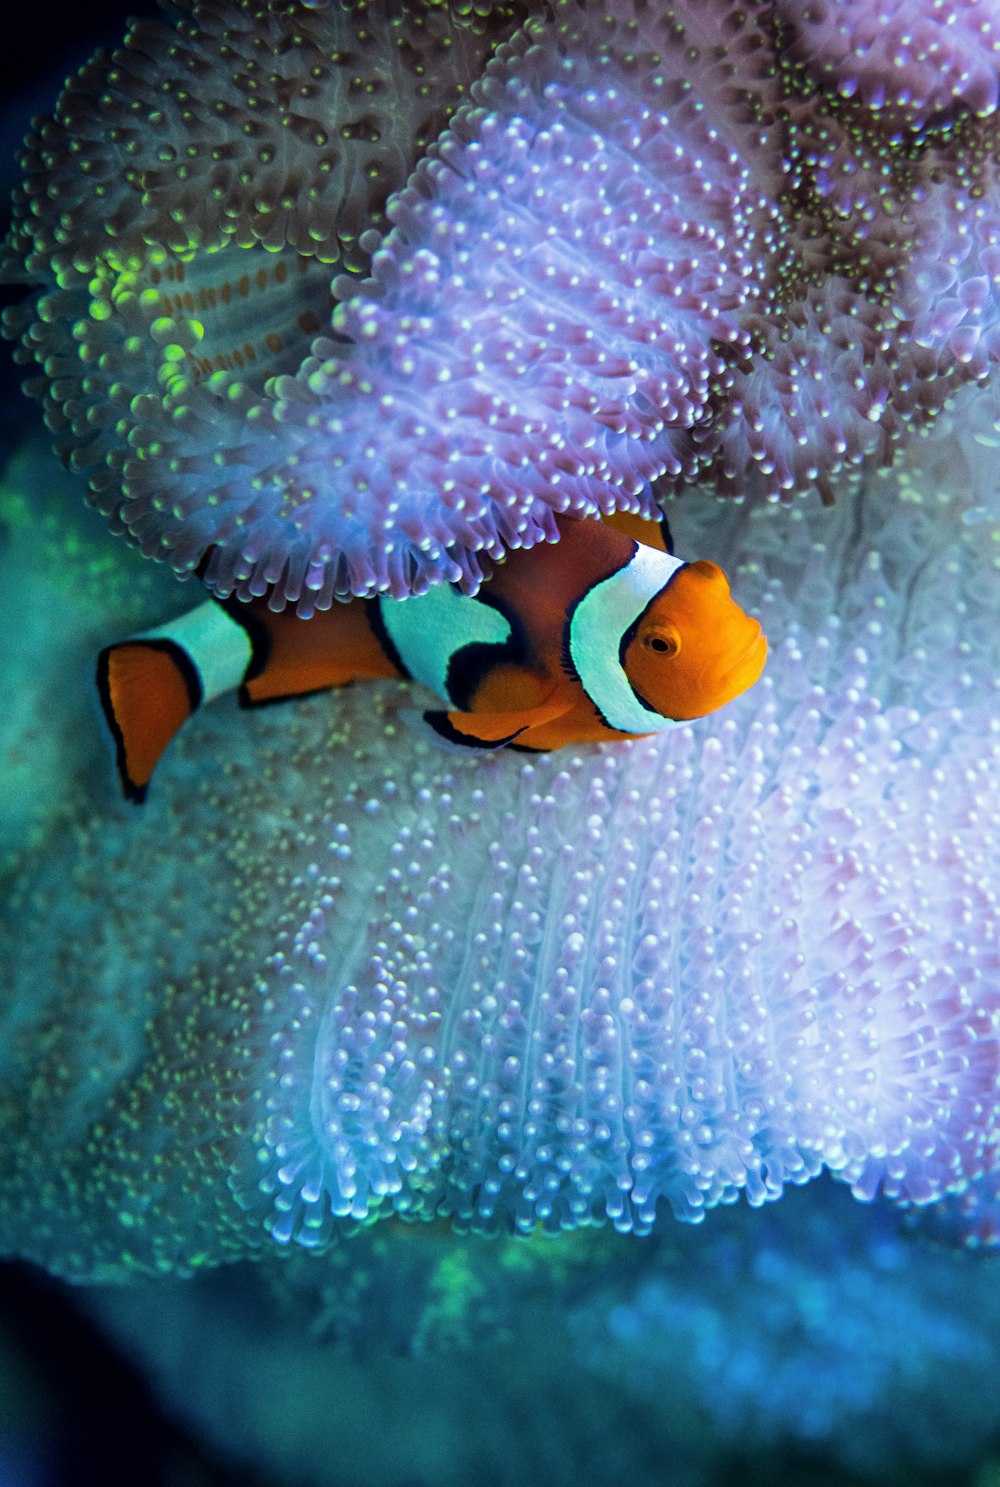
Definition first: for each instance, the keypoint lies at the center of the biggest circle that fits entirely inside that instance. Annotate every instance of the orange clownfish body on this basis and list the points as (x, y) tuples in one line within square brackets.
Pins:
[(595, 637)]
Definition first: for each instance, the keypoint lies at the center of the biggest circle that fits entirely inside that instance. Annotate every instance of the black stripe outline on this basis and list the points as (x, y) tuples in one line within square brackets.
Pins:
[(373, 609), (444, 729), (192, 683), (470, 664), (259, 636)]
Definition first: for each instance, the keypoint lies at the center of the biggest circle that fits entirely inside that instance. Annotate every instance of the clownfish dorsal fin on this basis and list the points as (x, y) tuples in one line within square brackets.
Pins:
[(650, 531), (148, 689)]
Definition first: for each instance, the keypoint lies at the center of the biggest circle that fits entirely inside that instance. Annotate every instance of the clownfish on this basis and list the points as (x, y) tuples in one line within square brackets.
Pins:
[(595, 637)]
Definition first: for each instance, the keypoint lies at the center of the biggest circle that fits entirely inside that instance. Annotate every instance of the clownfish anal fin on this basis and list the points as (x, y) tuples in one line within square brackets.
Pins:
[(147, 689)]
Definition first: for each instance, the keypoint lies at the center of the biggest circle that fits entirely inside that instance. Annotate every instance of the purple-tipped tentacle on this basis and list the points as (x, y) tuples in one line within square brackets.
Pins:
[(357, 976), (655, 243), (905, 59)]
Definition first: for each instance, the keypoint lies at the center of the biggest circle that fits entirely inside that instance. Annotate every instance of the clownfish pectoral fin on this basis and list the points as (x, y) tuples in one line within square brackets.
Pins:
[(463, 731), (495, 730), (148, 688), (433, 728)]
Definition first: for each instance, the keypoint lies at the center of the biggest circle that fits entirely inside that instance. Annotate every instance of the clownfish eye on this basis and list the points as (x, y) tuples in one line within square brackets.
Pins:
[(662, 641)]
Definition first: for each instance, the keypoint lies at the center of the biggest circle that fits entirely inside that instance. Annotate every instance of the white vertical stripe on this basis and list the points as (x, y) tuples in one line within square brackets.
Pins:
[(596, 628), (219, 648), (428, 629)]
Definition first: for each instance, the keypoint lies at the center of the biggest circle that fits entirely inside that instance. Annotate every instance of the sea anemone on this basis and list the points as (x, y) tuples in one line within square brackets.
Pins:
[(181, 218), (355, 977), (688, 242), (905, 60)]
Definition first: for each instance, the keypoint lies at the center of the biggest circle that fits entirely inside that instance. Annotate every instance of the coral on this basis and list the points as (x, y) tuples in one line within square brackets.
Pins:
[(331, 974), (687, 242)]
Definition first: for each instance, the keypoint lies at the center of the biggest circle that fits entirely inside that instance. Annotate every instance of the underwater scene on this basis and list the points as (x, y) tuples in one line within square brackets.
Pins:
[(558, 1041)]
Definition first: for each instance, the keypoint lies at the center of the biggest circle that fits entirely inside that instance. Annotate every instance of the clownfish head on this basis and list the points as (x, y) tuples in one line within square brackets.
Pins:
[(693, 647)]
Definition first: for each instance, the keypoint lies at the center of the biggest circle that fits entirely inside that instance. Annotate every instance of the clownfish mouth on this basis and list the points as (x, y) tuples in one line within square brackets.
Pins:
[(744, 672)]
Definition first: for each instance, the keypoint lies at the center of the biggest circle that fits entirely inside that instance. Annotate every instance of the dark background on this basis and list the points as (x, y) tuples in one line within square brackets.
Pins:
[(72, 1413), (40, 44)]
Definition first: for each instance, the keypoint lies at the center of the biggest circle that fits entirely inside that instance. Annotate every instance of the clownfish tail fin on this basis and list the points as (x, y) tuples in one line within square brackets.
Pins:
[(150, 684), (148, 688)]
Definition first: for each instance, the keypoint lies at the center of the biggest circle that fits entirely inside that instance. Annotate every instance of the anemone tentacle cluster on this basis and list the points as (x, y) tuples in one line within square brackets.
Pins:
[(184, 212), (658, 241), (904, 61), (358, 977)]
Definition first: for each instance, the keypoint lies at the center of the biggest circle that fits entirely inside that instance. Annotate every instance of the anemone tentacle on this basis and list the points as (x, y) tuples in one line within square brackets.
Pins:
[(905, 61), (182, 216), (359, 977), (668, 242)]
